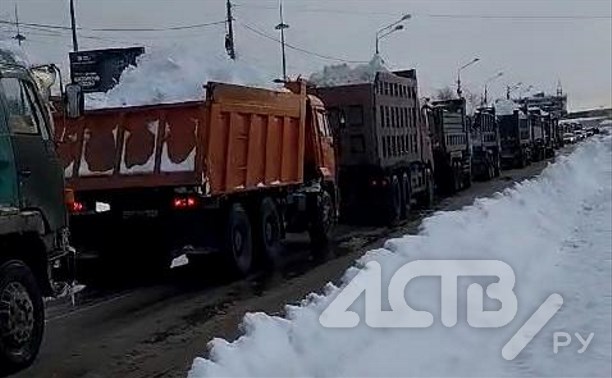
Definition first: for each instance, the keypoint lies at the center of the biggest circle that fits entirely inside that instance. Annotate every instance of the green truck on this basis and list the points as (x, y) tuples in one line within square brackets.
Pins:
[(33, 218)]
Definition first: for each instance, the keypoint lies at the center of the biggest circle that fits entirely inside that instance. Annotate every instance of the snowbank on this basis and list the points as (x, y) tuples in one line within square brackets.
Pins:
[(553, 230), (167, 75), (343, 74)]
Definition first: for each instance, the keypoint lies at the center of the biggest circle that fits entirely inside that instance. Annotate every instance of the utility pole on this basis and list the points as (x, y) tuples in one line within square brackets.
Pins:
[(229, 37), (75, 42), (20, 38), (282, 26)]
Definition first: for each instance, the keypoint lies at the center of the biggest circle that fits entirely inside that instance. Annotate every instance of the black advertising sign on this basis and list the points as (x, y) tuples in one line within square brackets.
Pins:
[(100, 70)]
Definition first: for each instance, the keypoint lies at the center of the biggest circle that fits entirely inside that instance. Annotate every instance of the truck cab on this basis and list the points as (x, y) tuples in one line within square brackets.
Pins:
[(33, 219)]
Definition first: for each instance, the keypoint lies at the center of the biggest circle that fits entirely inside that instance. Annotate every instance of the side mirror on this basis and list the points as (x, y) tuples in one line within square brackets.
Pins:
[(75, 101)]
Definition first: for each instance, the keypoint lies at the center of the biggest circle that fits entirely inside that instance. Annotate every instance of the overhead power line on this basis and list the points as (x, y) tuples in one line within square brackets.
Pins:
[(293, 47), (434, 15), (161, 29)]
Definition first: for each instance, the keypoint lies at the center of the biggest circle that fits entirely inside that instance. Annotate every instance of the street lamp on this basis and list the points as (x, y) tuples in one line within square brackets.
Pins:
[(525, 90), (512, 88), (391, 28), (459, 92), (281, 27), (486, 86)]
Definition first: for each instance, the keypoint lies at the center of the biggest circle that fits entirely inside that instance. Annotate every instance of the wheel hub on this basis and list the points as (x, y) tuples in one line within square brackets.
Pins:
[(238, 242), (268, 232), (16, 314)]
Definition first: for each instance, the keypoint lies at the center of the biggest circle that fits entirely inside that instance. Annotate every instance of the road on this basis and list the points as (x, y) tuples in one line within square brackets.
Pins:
[(156, 329)]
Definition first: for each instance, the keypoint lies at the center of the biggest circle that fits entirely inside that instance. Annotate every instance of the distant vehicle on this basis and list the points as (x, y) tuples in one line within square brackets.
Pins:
[(569, 138), (384, 154), (516, 142), (33, 214), (590, 132), (486, 145), (580, 135), (450, 144)]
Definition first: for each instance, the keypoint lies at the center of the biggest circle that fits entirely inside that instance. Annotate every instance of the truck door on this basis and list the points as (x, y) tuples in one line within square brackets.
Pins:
[(327, 162), (38, 169), (8, 178)]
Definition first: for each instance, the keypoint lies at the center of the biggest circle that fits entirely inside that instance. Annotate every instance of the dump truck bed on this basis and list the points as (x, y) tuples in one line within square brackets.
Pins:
[(238, 139)]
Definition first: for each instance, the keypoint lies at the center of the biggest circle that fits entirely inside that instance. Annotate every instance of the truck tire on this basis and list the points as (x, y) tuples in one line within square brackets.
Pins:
[(497, 167), (406, 196), (394, 202), (239, 241), (429, 196), (457, 184), (269, 231), (22, 317), (322, 222)]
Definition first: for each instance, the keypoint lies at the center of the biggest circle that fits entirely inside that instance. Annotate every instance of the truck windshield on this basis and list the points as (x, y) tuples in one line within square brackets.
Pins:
[(323, 124), (20, 107)]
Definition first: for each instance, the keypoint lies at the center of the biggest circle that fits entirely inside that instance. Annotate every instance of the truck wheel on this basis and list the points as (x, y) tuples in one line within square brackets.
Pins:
[(466, 178), (238, 240), (269, 231), (394, 202), (21, 317), (406, 197), (322, 222), (429, 192), (497, 168), (456, 179)]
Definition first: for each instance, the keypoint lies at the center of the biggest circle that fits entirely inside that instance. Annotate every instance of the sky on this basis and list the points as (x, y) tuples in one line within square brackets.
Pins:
[(536, 42)]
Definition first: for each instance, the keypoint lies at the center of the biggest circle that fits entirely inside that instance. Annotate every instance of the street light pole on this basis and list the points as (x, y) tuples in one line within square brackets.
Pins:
[(512, 88), (459, 91), (282, 26), (391, 28), (486, 86), (75, 42)]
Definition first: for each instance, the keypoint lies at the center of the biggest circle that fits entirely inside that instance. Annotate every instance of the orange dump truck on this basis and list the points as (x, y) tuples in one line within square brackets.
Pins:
[(231, 174)]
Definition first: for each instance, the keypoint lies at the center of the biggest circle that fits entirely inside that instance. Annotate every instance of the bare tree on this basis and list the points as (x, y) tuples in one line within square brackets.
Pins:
[(446, 93)]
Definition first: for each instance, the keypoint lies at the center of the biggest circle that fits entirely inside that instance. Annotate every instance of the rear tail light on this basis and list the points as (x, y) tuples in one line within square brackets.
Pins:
[(184, 203), (76, 207), (72, 204)]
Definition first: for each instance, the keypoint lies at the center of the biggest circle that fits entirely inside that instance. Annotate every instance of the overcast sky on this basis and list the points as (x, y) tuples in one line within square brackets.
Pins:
[(537, 42)]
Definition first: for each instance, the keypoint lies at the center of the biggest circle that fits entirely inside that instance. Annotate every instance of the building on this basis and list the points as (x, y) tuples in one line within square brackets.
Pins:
[(556, 105)]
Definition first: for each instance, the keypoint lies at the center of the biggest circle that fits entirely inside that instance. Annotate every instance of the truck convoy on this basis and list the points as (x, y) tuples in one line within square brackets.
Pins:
[(33, 216), (385, 162), (486, 149), (231, 174), (450, 143)]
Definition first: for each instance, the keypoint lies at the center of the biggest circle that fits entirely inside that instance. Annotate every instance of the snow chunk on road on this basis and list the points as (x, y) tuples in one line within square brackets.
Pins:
[(554, 231), (343, 74), (168, 75)]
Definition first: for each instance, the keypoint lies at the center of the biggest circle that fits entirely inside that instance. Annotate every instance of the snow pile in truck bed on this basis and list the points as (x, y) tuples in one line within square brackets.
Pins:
[(505, 107), (167, 75), (555, 232), (343, 74)]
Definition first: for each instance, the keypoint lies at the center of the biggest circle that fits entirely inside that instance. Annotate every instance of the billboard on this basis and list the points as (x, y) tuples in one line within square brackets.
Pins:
[(99, 70)]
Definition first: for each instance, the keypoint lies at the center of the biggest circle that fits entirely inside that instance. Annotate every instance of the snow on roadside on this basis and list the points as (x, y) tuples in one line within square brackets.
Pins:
[(555, 231), (174, 74)]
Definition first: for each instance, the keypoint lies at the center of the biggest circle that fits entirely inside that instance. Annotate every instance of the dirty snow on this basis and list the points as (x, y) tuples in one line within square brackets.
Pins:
[(343, 74), (168, 75), (554, 231)]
